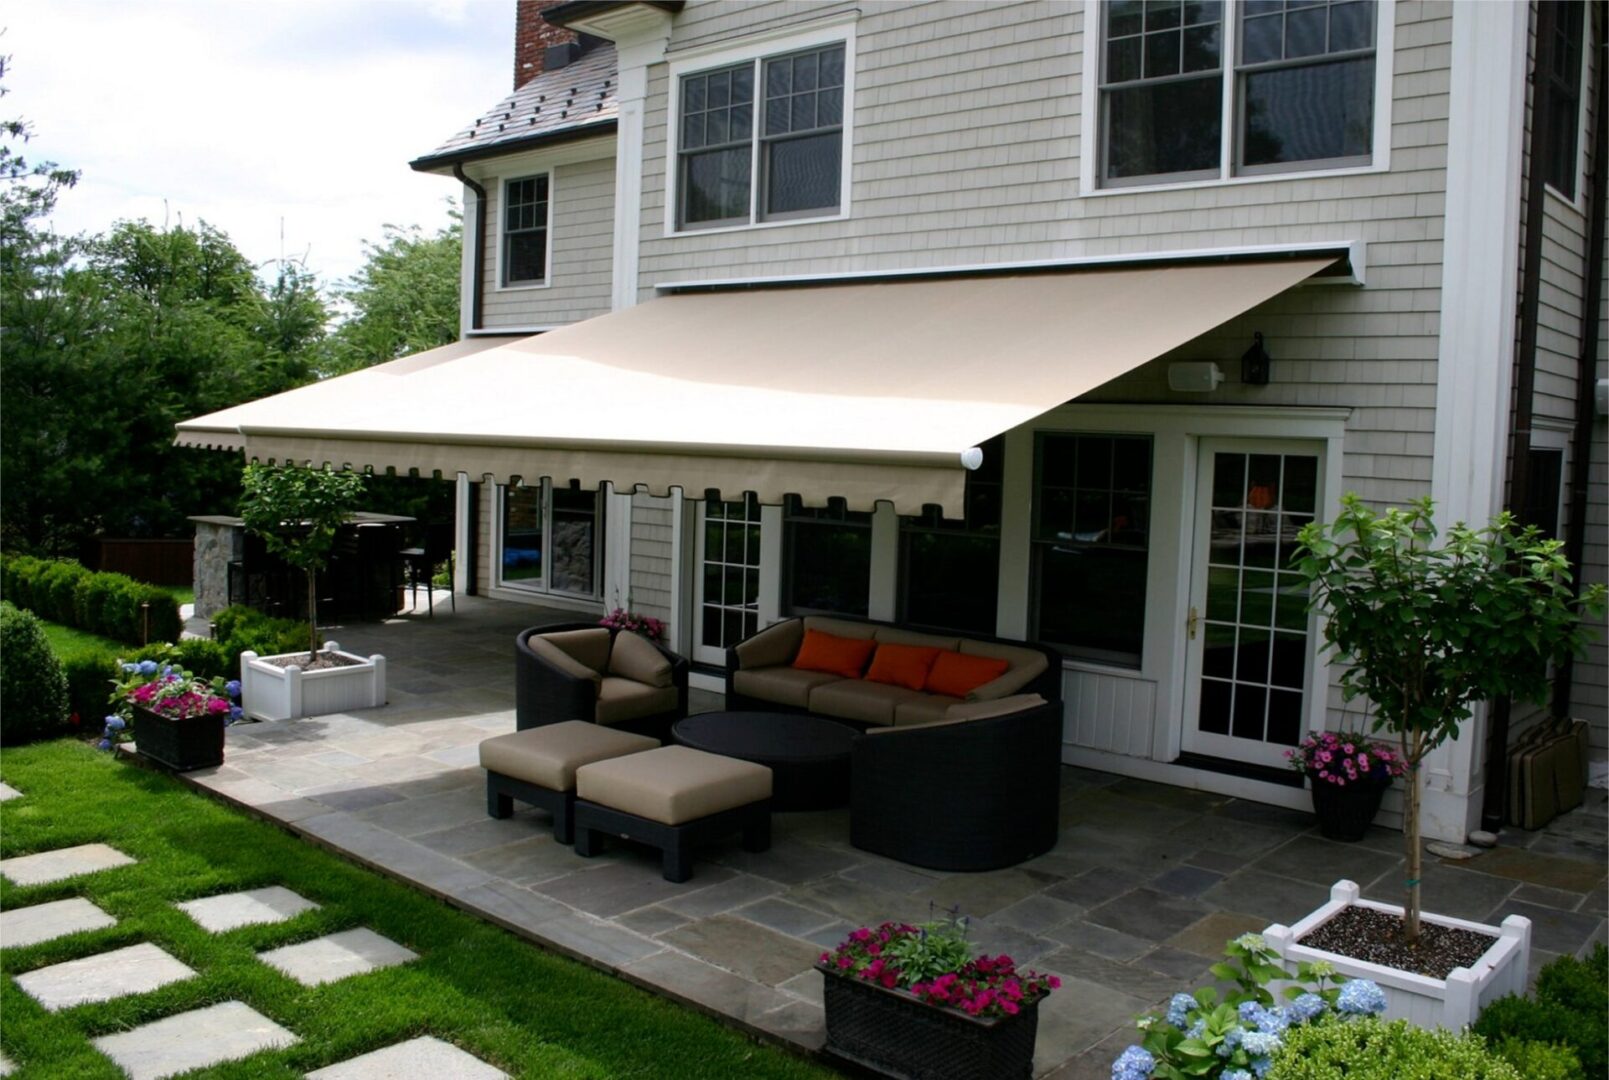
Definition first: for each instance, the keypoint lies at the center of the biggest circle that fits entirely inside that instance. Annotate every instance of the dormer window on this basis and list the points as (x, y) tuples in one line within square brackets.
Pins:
[(525, 231)]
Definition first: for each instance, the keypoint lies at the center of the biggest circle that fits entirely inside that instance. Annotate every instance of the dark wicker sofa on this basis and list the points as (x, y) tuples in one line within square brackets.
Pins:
[(583, 671)]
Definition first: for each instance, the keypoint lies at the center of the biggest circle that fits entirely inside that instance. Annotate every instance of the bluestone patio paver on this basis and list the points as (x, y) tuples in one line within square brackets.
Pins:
[(44, 867), (425, 1056), (43, 922), (337, 956), (191, 1040), (136, 969), (273, 904), (7, 793)]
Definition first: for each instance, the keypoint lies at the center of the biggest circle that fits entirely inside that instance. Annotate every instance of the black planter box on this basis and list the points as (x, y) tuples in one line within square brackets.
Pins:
[(894, 1033), (181, 745), (1344, 813)]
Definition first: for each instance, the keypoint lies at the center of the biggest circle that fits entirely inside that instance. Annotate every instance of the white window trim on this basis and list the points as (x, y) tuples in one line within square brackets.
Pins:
[(828, 32), (499, 285), (1583, 85), (1089, 185), (526, 591)]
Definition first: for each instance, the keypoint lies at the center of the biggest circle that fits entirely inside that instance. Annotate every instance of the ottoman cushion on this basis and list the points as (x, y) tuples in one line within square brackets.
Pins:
[(673, 784), (548, 756)]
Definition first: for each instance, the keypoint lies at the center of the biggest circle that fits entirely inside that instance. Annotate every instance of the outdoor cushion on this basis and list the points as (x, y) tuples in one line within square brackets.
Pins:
[(783, 685), (620, 700), (924, 710), (840, 627), (845, 657), (1026, 665), (774, 645), (894, 635), (673, 784), (902, 665), (548, 756), (558, 658), (857, 699), (964, 712), (958, 674), (589, 647), (634, 657)]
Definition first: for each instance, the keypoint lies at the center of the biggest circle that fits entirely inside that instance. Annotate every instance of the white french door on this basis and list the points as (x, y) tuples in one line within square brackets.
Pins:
[(726, 589), (1250, 640)]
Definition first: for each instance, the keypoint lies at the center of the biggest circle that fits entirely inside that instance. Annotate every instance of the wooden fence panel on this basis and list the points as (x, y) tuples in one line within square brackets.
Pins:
[(160, 562)]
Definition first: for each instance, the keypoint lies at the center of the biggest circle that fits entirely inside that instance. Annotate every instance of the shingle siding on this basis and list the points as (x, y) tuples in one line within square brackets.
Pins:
[(652, 549)]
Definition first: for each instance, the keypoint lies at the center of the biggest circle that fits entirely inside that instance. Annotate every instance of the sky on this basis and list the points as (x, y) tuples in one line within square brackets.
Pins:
[(254, 114)]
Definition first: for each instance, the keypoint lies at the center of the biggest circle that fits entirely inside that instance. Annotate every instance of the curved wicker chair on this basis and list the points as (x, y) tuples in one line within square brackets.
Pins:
[(547, 694), (964, 795)]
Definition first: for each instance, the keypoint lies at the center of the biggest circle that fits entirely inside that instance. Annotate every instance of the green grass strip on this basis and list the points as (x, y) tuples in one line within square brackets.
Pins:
[(69, 642), (528, 1012)]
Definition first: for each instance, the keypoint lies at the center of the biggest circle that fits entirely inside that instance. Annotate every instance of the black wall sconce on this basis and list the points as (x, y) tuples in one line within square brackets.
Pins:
[(1254, 365)]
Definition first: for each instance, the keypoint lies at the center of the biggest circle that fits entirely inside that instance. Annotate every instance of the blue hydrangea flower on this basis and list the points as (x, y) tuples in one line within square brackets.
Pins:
[(1231, 1040), (232, 688), (1133, 1064), (130, 667), (1179, 1010), (105, 744), (115, 723), (1305, 1008), (1360, 997), (147, 667), (1237, 1074), (1248, 1012), (235, 714), (1197, 1029), (1260, 1043), (1260, 1066)]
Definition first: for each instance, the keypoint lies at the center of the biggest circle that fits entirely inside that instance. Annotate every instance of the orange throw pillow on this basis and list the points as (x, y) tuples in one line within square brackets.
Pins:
[(834, 655), (902, 665), (958, 674)]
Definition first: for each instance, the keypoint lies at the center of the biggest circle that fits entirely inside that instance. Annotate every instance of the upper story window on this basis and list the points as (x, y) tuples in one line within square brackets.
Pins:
[(1300, 91), (1562, 102), (525, 231), (762, 140)]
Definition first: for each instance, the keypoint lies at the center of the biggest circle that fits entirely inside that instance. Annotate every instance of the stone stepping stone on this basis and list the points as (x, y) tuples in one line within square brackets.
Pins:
[(424, 1056), (326, 959), (47, 866), (42, 922), (102, 977), (274, 904), (7, 793), (192, 1040)]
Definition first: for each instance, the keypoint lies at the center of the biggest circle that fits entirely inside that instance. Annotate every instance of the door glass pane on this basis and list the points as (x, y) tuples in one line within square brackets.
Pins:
[(731, 578), (575, 542), (1217, 699), (522, 534), (828, 558), (1218, 652)]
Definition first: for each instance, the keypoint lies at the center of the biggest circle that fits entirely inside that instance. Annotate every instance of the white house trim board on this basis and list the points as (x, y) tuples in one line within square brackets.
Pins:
[(466, 263)]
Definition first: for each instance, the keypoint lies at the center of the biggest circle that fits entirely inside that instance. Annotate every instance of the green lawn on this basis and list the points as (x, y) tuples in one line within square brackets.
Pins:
[(529, 1013), (68, 642)]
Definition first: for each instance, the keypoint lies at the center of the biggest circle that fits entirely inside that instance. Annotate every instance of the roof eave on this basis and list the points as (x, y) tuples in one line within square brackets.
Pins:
[(440, 163), (566, 13)]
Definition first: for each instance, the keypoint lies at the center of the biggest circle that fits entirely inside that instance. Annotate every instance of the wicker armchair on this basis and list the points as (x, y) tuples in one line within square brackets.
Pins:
[(965, 795), (567, 672)]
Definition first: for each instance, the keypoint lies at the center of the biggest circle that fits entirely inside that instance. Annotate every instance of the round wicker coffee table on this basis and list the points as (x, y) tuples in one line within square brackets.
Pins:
[(807, 755)]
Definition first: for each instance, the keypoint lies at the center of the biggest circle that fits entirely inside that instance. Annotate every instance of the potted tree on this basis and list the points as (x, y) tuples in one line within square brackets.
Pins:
[(1424, 632), (297, 511)]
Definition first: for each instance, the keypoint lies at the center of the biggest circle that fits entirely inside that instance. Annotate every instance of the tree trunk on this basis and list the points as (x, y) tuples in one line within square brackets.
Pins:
[(312, 616), (1410, 832)]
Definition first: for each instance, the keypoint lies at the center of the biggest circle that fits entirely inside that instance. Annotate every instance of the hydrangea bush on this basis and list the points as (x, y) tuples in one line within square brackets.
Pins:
[(1199, 1037), (1342, 758)]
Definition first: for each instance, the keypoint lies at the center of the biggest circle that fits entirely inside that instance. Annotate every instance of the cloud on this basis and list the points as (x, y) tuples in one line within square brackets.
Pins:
[(253, 114)]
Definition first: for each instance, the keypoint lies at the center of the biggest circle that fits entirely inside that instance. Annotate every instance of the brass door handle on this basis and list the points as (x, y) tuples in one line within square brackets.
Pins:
[(1191, 622)]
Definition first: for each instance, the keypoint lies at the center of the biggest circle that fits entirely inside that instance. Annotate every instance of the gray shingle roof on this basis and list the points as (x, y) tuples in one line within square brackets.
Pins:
[(570, 102)]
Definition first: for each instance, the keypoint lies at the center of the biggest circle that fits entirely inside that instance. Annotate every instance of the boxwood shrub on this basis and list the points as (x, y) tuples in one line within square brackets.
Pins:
[(111, 605), (33, 690), (1570, 1007), (1372, 1049), (239, 628)]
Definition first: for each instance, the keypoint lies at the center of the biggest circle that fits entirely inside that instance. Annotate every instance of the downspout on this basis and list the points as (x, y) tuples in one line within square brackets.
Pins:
[(477, 286), (1587, 370), (1519, 454)]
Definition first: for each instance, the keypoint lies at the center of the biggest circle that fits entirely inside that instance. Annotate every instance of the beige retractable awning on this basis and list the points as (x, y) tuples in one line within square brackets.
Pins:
[(870, 392)]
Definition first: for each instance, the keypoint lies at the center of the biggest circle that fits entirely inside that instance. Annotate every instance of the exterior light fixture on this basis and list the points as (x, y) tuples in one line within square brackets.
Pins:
[(1255, 364)]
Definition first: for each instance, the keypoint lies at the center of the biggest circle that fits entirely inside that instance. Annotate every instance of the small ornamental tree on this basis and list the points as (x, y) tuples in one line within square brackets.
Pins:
[(297, 512), (1425, 632)]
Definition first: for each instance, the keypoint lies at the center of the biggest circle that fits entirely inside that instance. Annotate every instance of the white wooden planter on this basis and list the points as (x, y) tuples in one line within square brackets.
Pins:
[(1454, 1002), (271, 692)]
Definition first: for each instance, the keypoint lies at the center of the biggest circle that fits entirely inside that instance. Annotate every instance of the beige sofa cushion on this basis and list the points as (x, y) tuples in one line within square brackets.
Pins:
[(840, 627), (966, 712), (857, 699), (928, 709), (620, 700), (774, 646), (548, 756), (563, 661), (893, 635), (1026, 665), (673, 784), (783, 685), (589, 647), (634, 657)]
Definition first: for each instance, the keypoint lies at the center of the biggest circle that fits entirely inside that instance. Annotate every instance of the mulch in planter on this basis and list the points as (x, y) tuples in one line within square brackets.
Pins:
[(324, 661), (1376, 937)]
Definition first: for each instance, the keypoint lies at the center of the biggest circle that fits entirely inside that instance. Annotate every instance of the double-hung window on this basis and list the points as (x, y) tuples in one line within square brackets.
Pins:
[(525, 231), (1300, 92), (761, 140), (1565, 24)]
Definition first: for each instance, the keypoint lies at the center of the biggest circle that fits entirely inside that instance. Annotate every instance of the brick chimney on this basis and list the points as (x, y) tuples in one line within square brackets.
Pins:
[(533, 36)]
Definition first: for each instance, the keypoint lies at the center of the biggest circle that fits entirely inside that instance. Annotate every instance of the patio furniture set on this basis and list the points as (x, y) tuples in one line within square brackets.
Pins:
[(823, 711)]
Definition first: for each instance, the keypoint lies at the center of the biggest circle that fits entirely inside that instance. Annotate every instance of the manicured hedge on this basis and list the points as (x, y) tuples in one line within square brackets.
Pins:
[(33, 690), (111, 605)]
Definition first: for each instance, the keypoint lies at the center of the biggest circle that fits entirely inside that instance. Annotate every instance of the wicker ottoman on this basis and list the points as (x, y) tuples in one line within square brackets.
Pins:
[(671, 799), (538, 766)]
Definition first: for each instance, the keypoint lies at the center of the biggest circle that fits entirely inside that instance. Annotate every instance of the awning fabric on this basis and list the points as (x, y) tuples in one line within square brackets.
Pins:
[(870, 392)]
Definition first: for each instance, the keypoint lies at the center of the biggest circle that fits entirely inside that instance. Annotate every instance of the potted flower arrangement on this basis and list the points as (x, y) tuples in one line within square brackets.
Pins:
[(646, 625), (1349, 775), (911, 1001), (1425, 633), (177, 718)]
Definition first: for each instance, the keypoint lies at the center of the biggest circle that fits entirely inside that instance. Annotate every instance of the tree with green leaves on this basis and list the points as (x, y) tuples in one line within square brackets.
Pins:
[(404, 299), (297, 511), (1425, 632)]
